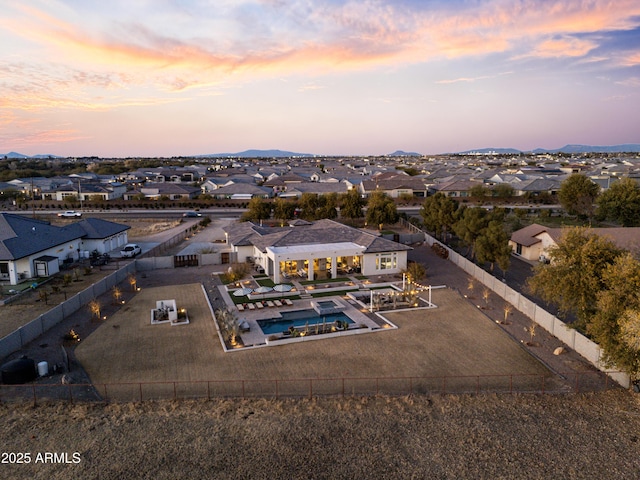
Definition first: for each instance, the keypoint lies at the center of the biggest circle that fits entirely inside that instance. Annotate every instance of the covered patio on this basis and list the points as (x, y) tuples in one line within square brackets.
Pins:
[(314, 261)]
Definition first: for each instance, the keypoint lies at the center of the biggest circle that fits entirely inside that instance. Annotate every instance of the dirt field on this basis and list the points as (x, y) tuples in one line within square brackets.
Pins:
[(30, 304), (429, 343), (499, 437)]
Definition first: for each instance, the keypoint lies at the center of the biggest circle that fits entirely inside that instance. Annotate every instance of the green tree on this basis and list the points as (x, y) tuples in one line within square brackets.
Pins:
[(503, 190), (351, 204), (621, 203), (327, 206), (283, 209), (308, 205), (416, 271), (258, 209), (381, 209), (470, 225), (439, 213), (577, 195), (574, 277), (615, 325), (479, 191), (493, 246)]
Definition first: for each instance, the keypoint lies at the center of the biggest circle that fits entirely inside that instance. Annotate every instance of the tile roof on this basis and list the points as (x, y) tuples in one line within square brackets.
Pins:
[(319, 232), (21, 236)]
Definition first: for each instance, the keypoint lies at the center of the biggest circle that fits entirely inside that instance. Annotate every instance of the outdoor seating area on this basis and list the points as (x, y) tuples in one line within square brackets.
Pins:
[(259, 305)]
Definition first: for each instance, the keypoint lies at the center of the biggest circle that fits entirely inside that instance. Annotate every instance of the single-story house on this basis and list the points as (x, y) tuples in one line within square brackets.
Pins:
[(34, 248), (172, 191), (315, 250), (533, 242)]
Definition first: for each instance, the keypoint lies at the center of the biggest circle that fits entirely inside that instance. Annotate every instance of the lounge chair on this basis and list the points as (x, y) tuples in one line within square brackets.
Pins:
[(277, 303), (270, 303), (251, 306), (287, 302), (240, 307), (259, 305)]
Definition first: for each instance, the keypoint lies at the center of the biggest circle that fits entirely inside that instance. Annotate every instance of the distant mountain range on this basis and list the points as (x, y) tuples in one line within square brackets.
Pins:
[(624, 148), (257, 154), (17, 155)]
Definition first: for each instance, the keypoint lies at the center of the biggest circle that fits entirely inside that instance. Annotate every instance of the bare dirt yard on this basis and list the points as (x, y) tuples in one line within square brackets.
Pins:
[(454, 339), (582, 436), (568, 436)]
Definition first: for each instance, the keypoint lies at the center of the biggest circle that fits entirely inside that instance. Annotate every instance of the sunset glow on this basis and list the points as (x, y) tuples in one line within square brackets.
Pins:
[(334, 77)]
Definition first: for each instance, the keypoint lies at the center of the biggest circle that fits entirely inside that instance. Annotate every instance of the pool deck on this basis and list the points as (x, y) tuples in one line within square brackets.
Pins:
[(255, 336)]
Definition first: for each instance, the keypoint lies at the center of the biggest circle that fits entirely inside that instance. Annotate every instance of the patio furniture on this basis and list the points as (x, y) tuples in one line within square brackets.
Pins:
[(288, 302), (259, 305), (251, 306), (277, 303), (270, 303), (240, 307)]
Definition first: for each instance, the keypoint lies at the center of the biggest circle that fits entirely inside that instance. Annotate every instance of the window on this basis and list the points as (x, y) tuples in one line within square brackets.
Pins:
[(386, 261)]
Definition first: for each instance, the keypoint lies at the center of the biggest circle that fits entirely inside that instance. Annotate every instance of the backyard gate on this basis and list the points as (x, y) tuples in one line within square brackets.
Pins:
[(185, 261)]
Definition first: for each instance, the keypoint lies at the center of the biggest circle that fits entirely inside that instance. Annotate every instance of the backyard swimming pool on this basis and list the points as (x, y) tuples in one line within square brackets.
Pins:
[(299, 318)]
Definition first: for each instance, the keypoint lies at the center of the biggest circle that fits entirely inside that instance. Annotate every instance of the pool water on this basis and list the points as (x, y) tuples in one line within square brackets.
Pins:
[(299, 318)]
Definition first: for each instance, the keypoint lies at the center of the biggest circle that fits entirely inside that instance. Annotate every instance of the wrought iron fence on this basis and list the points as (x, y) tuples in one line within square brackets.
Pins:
[(574, 382)]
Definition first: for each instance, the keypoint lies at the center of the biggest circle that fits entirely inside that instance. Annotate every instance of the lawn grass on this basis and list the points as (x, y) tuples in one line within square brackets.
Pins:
[(338, 293), (264, 282)]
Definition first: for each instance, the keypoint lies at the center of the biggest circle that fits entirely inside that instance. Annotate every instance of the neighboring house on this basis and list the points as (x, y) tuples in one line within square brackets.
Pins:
[(240, 191), (330, 248), (395, 187), (537, 186), (88, 191), (34, 248), (533, 242), (169, 175), (317, 188), (455, 188), (172, 191)]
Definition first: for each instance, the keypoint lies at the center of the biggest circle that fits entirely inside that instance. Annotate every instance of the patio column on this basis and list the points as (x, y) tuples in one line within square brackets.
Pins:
[(310, 269), (334, 267), (276, 271)]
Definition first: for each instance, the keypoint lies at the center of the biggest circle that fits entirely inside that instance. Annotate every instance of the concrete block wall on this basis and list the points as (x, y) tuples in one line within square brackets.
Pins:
[(556, 327)]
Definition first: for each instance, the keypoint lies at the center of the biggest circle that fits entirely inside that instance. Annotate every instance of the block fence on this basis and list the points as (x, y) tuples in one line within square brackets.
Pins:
[(556, 327), (32, 330)]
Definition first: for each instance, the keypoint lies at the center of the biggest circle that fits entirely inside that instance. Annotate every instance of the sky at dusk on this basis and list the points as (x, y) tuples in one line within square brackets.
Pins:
[(123, 78)]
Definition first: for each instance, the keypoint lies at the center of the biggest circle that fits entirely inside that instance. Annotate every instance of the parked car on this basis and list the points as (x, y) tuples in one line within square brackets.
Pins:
[(130, 250), (191, 214), (70, 214)]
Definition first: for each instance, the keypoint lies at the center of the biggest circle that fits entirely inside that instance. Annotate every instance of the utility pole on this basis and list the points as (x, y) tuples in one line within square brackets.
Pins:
[(80, 194), (33, 200)]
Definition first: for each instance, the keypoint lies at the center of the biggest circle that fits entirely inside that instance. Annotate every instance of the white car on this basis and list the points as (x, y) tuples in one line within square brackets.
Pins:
[(70, 214), (130, 250)]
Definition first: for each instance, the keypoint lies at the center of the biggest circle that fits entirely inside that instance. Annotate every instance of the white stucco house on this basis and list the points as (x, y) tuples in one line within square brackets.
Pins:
[(315, 250), (34, 248)]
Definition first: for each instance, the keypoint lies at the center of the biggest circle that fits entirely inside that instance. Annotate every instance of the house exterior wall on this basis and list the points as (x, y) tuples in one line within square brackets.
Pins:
[(24, 268), (384, 263), (528, 253), (107, 244)]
